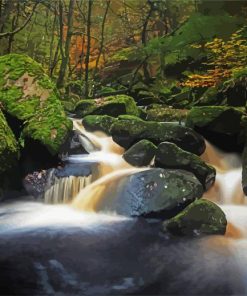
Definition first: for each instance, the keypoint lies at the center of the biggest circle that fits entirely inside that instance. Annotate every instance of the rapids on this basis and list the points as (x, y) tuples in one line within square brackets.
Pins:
[(71, 249)]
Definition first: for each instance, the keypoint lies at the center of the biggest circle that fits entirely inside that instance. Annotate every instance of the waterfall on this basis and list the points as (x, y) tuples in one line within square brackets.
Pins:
[(65, 189), (103, 151)]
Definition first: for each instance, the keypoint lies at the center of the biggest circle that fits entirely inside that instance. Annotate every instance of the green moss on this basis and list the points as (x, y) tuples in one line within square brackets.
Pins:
[(112, 106), (98, 123), (129, 131), (160, 113), (219, 119), (200, 217), (29, 95), (8, 146)]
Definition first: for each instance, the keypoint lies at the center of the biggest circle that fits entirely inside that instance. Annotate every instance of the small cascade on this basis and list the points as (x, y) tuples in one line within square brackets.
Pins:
[(227, 188), (65, 189), (103, 151)]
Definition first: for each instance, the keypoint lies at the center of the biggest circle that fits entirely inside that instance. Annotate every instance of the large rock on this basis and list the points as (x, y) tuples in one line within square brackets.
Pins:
[(130, 131), (28, 95), (165, 114), (112, 106), (152, 193), (102, 123), (200, 217), (9, 151), (140, 154), (170, 156), (221, 125)]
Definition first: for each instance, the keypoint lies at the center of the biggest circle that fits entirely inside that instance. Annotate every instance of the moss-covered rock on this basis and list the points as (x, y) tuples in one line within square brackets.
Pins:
[(221, 125), (165, 114), (112, 106), (140, 154), (220, 119), (29, 95), (130, 131), (170, 156), (8, 146), (200, 217), (98, 123)]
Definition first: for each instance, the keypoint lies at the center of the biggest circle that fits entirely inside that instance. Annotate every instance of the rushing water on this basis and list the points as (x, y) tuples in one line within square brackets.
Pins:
[(48, 249)]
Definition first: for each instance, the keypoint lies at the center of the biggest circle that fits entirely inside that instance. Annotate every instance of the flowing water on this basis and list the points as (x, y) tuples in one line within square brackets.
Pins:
[(63, 249)]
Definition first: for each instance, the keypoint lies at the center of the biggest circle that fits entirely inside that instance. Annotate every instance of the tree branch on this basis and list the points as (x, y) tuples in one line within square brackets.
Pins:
[(7, 34)]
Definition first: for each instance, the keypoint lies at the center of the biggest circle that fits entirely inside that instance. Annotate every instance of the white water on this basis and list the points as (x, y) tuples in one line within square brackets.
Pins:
[(226, 192)]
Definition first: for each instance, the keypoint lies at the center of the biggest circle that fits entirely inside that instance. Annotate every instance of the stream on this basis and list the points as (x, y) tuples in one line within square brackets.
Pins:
[(69, 246)]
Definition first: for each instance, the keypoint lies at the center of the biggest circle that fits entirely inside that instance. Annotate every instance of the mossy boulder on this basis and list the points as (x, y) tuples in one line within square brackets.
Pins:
[(28, 94), (221, 125), (170, 156), (199, 218), (98, 123), (127, 132), (9, 151), (141, 153), (112, 106), (219, 119), (165, 114)]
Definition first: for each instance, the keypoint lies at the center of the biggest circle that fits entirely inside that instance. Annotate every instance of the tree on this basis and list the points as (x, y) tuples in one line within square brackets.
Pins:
[(90, 4), (65, 51), (226, 58)]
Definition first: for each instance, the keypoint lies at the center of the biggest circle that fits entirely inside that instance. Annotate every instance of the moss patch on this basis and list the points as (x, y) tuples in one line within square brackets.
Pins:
[(112, 106), (98, 123), (9, 151), (200, 217), (29, 95)]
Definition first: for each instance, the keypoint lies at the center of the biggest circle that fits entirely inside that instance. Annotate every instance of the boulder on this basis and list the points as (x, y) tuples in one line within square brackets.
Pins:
[(154, 193), (221, 125), (72, 145), (112, 106), (9, 150), (200, 217), (140, 154), (102, 123), (165, 114), (29, 95), (218, 119), (130, 131), (170, 156)]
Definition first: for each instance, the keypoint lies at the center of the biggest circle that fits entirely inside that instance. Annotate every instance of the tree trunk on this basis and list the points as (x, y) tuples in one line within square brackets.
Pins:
[(144, 42), (102, 38), (65, 52), (90, 4)]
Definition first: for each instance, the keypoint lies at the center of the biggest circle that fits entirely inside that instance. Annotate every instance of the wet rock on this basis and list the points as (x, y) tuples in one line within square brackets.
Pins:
[(221, 125), (140, 154), (72, 145), (35, 183), (130, 131), (200, 217), (155, 193), (102, 123), (112, 106), (170, 156)]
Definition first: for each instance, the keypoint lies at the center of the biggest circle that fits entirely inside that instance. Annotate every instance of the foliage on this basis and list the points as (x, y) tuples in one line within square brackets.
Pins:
[(226, 59)]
